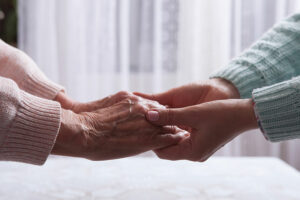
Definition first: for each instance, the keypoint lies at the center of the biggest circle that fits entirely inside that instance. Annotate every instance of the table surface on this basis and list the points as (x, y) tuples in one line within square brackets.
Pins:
[(150, 178)]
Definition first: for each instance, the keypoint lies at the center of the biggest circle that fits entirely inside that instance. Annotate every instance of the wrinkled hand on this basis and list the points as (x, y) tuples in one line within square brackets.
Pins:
[(117, 130), (211, 125), (69, 104), (195, 93)]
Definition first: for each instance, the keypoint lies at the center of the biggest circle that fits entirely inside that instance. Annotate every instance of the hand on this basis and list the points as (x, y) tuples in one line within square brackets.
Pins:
[(69, 104), (211, 124), (116, 131), (195, 93)]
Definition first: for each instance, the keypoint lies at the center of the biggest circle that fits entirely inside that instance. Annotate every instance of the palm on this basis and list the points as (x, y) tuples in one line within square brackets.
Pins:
[(205, 137)]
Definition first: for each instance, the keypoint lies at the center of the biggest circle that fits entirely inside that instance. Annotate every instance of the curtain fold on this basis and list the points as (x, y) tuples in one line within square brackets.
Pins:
[(98, 47)]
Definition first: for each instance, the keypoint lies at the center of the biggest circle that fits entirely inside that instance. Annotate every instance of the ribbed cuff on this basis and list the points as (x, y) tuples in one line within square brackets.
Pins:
[(39, 85), (245, 79), (278, 110), (31, 137)]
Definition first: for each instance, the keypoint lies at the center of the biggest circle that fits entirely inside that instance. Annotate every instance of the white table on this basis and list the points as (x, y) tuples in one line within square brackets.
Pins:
[(150, 178)]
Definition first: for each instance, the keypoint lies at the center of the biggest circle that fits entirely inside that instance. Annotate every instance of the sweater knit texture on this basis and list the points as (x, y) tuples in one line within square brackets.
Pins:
[(265, 71), (29, 119)]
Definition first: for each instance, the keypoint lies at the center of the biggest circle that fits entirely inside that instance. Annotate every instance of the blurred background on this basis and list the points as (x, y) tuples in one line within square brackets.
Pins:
[(97, 47), (8, 21)]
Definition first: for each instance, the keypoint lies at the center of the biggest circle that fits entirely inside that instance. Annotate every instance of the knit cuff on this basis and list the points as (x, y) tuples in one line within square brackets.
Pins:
[(31, 137), (278, 110), (245, 79), (39, 85)]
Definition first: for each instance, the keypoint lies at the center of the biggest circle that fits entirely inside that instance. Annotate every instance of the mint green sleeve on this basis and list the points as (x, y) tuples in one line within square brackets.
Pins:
[(278, 110), (265, 72), (272, 59)]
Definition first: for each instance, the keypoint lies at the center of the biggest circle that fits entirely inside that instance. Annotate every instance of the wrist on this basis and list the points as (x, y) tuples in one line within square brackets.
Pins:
[(70, 134), (62, 133), (247, 114), (227, 87)]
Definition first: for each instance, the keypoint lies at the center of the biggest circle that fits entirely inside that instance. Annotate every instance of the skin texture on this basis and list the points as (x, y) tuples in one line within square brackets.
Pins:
[(210, 111), (211, 126), (69, 104), (195, 93), (204, 91), (115, 126), (118, 129), (109, 128)]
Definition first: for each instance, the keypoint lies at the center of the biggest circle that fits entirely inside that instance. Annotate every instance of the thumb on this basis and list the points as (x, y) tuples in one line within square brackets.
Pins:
[(175, 116)]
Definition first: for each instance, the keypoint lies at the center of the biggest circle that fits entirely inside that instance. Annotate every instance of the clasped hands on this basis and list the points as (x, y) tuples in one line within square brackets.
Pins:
[(189, 122)]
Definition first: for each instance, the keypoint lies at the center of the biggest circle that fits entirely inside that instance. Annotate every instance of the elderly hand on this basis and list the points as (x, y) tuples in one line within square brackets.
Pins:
[(211, 125), (69, 104), (195, 93), (117, 130)]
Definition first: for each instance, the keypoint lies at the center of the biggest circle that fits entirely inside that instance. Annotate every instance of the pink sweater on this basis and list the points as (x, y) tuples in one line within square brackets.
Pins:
[(29, 119)]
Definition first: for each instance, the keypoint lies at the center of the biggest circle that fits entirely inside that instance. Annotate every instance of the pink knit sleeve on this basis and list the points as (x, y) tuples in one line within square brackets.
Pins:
[(28, 124), (18, 66)]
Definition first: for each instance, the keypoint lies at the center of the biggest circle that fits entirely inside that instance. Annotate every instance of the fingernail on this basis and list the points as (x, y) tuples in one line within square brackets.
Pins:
[(184, 134), (152, 115)]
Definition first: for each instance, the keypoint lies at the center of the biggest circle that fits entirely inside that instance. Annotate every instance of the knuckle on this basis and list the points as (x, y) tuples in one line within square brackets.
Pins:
[(123, 93), (139, 108), (120, 96), (173, 129), (133, 98)]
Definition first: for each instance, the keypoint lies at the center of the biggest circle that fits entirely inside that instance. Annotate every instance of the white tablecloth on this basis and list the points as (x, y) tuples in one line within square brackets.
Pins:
[(150, 178)]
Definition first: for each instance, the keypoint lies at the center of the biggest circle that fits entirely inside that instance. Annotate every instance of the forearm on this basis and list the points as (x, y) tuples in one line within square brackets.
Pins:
[(72, 136), (16, 65), (272, 59)]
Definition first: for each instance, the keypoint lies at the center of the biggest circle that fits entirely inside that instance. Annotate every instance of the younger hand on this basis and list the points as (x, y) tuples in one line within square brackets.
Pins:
[(211, 126), (195, 93)]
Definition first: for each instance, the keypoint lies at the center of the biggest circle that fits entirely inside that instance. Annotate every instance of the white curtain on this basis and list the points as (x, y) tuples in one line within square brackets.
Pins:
[(98, 47)]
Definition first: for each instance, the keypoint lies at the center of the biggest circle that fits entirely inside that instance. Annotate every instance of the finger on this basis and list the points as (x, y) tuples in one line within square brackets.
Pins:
[(175, 116), (119, 111), (102, 103), (108, 101), (168, 139), (175, 129), (164, 98), (179, 151), (171, 129), (186, 128)]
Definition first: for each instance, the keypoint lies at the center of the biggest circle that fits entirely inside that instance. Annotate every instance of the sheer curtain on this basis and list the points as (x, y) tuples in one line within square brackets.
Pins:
[(98, 47)]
